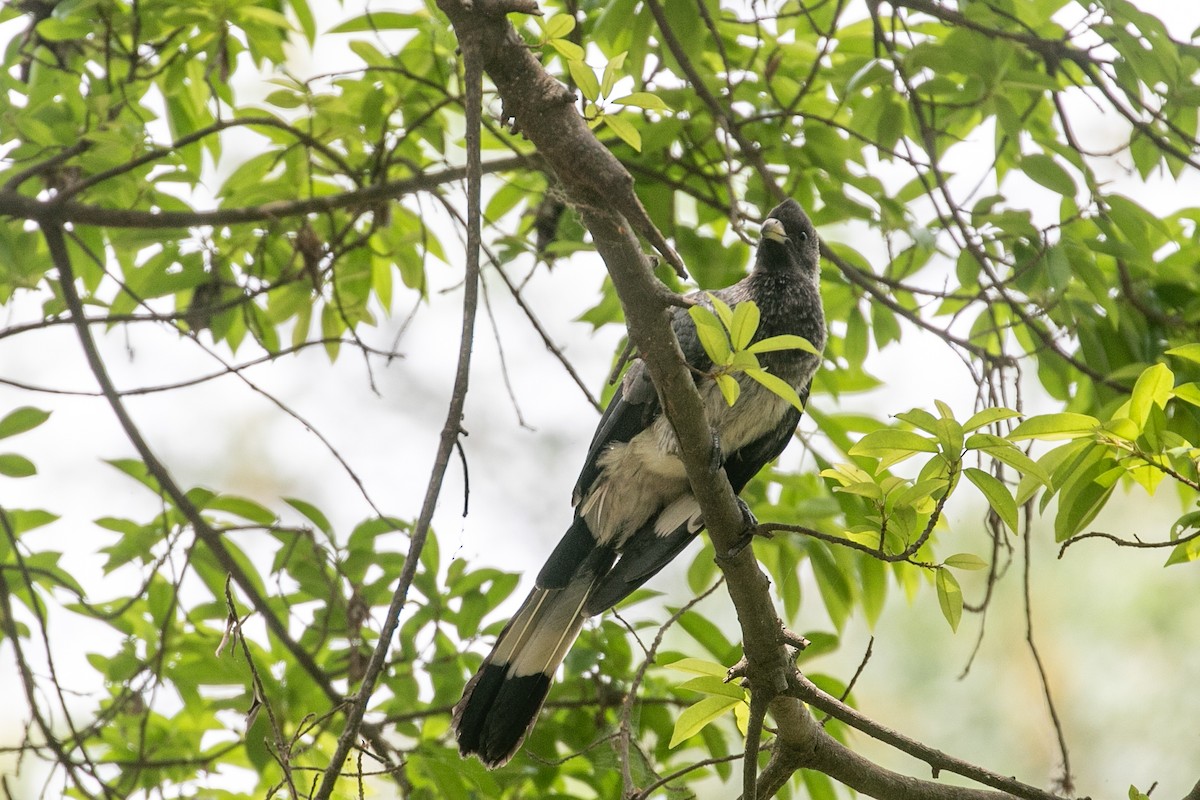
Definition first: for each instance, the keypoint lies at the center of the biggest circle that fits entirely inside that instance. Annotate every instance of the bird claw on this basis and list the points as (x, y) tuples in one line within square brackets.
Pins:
[(749, 530)]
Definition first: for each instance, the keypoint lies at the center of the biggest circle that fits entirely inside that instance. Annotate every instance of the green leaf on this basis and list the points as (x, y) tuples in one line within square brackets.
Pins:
[(624, 130), (642, 100), (567, 49), (1005, 451), (920, 418), (559, 26), (730, 388), (1064, 425), (1191, 352), (1153, 388), (745, 324), (694, 718), (714, 685), (712, 334), (22, 419), (785, 341), (312, 513), (965, 561), (15, 466), (612, 71), (997, 495), (721, 309), (1046, 170), (987, 417), (62, 29), (1184, 552), (949, 597), (1188, 392), (698, 666), (381, 21), (777, 386), (241, 507), (890, 440), (585, 79)]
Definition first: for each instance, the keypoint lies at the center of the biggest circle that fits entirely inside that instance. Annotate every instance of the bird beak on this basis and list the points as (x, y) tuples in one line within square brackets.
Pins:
[(773, 229)]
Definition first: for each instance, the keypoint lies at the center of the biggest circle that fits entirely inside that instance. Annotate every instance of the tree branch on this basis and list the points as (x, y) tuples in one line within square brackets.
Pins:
[(204, 532), (53, 212), (451, 430)]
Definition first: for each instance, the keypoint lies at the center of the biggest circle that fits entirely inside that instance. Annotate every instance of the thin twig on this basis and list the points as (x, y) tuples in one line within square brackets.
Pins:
[(451, 430)]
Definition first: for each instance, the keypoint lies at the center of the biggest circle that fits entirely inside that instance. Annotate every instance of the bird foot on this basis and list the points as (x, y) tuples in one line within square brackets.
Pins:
[(749, 530)]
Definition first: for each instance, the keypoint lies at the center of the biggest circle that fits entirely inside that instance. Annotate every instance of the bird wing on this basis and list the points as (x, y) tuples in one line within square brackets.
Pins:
[(662, 538), (635, 407)]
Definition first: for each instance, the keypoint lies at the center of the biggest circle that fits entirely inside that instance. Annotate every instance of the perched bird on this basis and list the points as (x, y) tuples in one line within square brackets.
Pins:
[(634, 510)]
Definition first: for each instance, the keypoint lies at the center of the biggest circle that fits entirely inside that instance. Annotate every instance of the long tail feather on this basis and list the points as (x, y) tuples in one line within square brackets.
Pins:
[(502, 700)]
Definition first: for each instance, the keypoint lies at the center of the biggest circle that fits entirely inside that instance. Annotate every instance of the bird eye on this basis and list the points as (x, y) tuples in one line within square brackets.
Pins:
[(804, 236)]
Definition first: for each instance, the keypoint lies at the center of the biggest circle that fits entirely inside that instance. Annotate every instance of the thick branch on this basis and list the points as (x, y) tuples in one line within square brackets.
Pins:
[(544, 111), (601, 189), (937, 760)]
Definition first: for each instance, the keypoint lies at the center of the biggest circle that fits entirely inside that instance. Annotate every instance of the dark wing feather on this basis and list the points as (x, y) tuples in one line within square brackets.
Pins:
[(641, 558), (635, 407), (645, 552)]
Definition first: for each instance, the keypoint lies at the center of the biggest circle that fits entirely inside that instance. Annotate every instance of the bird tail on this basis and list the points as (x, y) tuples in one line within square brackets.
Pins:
[(501, 702)]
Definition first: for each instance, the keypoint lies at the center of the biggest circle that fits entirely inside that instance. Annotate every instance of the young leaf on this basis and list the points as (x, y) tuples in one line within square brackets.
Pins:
[(890, 440), (965, 561), (567, 49), (730, 388), (612, 71), (745, 324), (1048, 172), (722, 310), (786, 341), (559, 26), (987, 417), (778, 386), (920, 418), (585, 79), (696, 717), (22, 419), (714, 685), (1064, 425), (997, 495), (1007, 452), (712, 334), (642, 100), (1191, 352), (698, 666), (624, 130), (15, 466), (381, 21), (949, 597), (1153, 388)]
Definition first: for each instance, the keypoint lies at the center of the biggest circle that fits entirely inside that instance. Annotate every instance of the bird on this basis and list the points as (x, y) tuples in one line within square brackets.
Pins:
[(634, 509)]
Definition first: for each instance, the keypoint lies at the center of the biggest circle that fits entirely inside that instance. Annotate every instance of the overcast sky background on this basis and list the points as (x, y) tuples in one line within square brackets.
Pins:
[(1118, 633)]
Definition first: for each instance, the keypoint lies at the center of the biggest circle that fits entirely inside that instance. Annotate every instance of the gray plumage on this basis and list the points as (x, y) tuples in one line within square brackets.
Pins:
[(634, 510)]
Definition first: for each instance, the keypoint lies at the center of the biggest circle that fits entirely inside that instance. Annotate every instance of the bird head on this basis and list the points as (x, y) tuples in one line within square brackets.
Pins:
[(789, 241)]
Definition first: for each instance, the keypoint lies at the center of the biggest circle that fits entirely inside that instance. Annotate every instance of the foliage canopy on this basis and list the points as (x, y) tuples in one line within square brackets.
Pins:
[(148, 178)]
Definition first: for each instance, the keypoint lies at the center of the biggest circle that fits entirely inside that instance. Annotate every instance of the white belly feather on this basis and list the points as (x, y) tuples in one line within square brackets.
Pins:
[(645, 475)]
